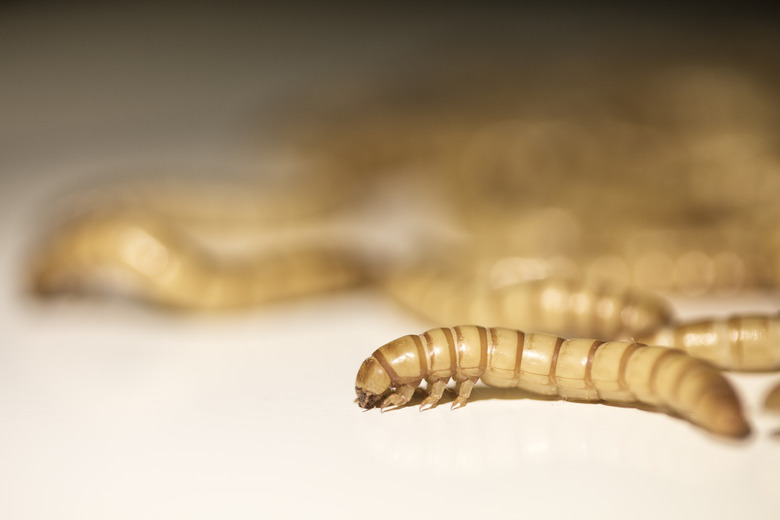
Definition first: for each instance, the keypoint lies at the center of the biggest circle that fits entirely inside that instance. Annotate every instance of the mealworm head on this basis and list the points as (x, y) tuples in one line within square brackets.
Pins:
[(372, 383)]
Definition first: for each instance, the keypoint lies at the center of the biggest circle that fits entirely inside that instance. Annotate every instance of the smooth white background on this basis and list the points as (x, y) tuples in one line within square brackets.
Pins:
[(112, 410)]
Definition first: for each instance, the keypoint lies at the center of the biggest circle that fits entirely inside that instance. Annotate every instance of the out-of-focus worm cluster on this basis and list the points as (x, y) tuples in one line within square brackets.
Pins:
[(564, 214)]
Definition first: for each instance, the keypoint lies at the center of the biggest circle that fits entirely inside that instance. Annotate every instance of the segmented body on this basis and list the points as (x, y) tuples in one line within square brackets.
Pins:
[(772, 399), (150, 259), (575, 369), (744, 342), (555, 305)]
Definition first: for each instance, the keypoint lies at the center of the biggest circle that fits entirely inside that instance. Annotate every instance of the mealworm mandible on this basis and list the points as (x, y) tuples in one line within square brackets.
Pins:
[(587, 370)]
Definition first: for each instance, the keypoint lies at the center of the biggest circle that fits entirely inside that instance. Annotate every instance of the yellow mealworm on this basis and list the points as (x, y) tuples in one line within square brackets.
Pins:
[(772, 405), (749, 342), (149, 259), (574, 369), (555, 305), (772, 400)]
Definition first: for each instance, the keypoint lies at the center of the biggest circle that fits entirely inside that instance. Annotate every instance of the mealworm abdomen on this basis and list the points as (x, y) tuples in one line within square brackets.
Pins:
[(737, 343), (155, 262), (554, 305), (576, 369)]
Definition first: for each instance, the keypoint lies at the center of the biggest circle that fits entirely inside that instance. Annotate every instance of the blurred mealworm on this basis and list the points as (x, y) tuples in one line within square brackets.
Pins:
[(154, 262), (772, 405), (554, 305), (575, 369), (772, 400), (749, 342)]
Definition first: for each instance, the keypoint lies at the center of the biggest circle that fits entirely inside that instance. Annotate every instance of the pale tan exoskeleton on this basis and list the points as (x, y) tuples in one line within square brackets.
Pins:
[(564, 306), (772, 405), (587, 308), (772, 399), (742, 342), (152, 260), (577, 369)]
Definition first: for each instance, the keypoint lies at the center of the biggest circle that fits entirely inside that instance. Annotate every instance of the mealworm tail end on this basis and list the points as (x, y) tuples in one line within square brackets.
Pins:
[(722, 415)]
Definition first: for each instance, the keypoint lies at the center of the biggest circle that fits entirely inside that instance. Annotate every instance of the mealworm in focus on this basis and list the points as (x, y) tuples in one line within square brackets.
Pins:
[(574, 369)]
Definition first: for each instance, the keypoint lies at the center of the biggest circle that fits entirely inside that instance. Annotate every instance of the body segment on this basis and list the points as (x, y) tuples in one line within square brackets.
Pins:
[(578, 369), (749, 342), (555, 305), (156, 262)]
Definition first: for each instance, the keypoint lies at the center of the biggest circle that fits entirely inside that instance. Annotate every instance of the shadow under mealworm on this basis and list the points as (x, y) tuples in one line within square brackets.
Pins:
[(484, 393), (480, 393)]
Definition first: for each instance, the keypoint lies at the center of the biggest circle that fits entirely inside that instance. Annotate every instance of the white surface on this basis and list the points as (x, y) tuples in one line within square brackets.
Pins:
[(109, 410)]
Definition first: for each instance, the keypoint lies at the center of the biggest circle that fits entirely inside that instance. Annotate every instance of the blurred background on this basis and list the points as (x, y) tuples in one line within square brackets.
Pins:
[(647, 129)]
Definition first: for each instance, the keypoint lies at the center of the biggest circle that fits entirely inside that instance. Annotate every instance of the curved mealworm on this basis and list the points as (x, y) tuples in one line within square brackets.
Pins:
[(745, 342), (149, 259), (554, 305), (575, 369)]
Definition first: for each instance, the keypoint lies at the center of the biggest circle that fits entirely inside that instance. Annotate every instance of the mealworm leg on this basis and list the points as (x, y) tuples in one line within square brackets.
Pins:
[(399, 398), (464, 391), (435, 391)]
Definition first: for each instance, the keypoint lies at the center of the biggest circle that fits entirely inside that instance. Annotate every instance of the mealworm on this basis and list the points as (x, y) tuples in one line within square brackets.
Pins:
[(149, 259), (575, 369), (772, 400), (748, 342), (772, 405), (555, 305)]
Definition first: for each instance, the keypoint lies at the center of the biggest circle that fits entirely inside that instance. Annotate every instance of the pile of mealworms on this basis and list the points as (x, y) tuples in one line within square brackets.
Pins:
[(510, 209)]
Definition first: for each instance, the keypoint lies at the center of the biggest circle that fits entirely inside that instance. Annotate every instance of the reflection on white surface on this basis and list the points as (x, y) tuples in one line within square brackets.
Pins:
[(498, 436), (118, 412)]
